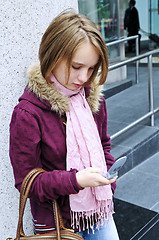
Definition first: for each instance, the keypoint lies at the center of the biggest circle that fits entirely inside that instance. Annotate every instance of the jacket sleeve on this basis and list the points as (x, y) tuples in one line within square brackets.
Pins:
[(106, 142), (126, 18), (25, 154)]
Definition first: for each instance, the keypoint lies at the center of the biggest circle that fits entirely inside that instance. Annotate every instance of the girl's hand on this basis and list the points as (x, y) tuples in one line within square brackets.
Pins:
[(91, 177)]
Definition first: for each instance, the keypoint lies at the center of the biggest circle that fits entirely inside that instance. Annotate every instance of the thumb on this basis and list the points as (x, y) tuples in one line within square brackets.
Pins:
[(94, 170)]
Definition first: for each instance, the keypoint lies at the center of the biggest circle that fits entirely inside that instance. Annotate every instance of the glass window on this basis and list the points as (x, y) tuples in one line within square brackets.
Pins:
[(105, 14), (154, 16)]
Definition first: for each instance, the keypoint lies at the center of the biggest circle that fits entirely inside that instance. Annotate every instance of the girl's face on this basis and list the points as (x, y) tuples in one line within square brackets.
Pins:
[(83, 62)]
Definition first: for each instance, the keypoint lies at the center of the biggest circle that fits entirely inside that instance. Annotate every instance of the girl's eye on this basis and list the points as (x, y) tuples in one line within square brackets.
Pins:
[(75, 67)]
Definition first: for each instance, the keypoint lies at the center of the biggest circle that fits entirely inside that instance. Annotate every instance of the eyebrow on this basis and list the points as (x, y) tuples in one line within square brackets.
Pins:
[(78, 63), (81, 64)]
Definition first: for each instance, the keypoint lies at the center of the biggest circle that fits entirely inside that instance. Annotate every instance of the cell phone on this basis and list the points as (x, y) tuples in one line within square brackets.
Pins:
[(113, 171)]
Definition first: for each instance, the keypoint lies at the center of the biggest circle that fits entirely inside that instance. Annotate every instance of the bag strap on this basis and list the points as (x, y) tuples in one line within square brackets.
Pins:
[(23, 197), (25, 188), (22, 193)]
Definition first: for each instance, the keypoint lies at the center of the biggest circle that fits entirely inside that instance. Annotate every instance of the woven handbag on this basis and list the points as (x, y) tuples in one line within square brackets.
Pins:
[(60, 233)]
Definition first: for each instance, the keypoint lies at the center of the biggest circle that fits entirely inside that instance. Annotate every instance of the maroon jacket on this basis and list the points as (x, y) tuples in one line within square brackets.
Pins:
[(38, 140)]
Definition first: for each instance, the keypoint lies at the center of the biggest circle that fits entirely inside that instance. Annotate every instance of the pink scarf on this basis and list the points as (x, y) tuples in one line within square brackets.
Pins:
[(84, 149)]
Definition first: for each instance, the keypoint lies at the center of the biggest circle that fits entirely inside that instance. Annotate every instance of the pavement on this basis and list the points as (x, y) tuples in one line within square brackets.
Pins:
[(137, 194)]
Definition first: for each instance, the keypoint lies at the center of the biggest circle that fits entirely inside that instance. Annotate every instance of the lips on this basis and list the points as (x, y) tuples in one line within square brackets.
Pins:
[(77, 85)]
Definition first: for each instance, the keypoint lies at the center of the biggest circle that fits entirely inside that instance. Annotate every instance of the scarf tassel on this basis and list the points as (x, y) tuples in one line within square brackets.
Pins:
[(82, 221)]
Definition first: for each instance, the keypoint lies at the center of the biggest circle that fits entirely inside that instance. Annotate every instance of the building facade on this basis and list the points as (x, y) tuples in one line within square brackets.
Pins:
[(108, 15)]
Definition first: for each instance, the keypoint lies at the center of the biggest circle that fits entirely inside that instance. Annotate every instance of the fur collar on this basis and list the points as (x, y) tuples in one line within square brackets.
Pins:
[(58, 102)]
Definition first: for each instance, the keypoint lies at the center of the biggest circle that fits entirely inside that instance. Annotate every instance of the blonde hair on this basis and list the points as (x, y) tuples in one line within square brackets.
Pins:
[(62, 37)]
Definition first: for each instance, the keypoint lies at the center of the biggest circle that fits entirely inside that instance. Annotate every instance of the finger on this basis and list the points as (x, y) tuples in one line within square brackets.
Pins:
[(109, 181), (113, 179)]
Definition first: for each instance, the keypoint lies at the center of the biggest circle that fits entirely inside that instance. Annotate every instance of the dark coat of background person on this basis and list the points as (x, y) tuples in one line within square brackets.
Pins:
[(131, 23)]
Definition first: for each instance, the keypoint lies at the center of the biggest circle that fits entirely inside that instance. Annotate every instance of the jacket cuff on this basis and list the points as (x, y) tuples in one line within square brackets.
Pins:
[(77, 187)]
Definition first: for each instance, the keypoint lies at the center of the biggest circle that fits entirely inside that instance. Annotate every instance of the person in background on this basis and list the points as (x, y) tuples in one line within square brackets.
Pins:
[(132, 24), (60, 125)]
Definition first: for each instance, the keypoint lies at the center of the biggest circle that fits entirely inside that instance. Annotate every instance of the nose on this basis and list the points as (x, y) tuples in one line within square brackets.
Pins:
[(83, 76)]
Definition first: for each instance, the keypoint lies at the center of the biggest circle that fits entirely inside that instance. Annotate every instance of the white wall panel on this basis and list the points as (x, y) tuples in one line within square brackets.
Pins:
[(22, 25)]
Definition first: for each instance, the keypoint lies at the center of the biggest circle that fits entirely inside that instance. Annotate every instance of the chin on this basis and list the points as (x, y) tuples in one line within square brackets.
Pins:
[(73, 88)]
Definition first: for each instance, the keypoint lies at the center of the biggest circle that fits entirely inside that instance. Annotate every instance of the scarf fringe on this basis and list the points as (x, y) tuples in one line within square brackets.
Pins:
[(82, 221)]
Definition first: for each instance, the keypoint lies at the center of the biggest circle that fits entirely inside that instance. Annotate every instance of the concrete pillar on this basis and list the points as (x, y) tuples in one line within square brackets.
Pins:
[(22, 25)]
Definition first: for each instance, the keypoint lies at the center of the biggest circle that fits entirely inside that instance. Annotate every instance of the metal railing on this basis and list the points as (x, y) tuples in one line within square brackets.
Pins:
[(121, 40), (152, 111)]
